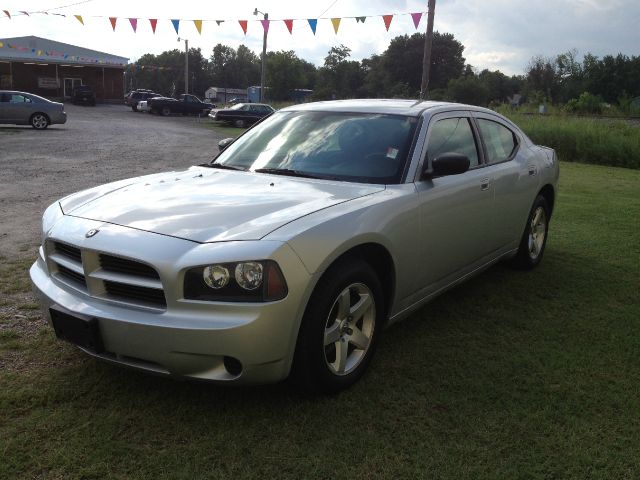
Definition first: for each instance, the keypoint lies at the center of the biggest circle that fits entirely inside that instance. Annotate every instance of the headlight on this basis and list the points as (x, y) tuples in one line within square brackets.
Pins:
[(252, 281)]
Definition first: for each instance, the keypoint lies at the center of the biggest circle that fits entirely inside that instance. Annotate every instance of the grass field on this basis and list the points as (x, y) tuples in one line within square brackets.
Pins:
[(512, 375), (602, 141)]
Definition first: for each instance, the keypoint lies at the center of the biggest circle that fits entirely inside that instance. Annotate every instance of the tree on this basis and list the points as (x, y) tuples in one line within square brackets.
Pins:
[(286, 72), (339, 77)]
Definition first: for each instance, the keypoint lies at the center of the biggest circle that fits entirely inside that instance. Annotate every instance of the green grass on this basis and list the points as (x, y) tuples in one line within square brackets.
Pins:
[(511, 375), (591, 140), (222, 129)]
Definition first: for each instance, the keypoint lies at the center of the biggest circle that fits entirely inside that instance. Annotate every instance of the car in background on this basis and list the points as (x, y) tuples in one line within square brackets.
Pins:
[(136, 96), (289, 252), (185, 104), (21, 108), (143, 106), (83, 95), (242, 114)]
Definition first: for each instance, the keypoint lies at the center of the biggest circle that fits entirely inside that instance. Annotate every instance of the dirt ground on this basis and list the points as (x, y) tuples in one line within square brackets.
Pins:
[(97, 145)]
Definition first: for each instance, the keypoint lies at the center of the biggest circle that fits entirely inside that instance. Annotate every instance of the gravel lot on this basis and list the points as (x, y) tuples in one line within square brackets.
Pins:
[(97, 145)]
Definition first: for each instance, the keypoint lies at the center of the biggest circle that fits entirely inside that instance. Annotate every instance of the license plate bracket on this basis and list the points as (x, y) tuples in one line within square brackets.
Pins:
[(80, 330)]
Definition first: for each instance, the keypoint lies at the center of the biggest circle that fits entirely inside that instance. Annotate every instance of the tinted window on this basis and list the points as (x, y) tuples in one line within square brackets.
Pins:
[(453, 135), (499, 141), (19, 99)]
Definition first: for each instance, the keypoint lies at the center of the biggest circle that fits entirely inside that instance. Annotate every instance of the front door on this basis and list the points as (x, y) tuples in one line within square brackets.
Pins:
[(70, 84), (455, 210)]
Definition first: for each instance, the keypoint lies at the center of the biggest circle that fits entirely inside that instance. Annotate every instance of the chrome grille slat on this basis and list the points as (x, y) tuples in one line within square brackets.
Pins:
[(69, 274), (126, 266)]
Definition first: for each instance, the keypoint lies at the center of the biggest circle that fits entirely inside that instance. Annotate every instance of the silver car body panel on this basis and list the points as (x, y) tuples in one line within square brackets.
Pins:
[(437, 232)]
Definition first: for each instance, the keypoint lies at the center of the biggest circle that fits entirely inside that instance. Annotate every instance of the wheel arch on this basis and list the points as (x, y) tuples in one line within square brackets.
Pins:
[(549, 195), (40, 113)]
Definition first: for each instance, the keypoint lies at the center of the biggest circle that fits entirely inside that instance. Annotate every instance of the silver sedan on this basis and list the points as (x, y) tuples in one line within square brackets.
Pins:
[(20, 108), (305, 236)]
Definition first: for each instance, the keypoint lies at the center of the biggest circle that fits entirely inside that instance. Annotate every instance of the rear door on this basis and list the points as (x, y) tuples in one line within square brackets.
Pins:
[(455, 210), (18, 108)]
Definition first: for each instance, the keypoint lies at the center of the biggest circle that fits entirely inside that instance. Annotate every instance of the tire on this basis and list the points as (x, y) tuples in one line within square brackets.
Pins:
[(534, 238), (337, 337), (165, 111), (239, 123), (134, 108), (39, 121)]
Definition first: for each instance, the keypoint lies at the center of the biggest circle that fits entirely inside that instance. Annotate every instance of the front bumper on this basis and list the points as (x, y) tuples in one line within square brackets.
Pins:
[(190, 338)]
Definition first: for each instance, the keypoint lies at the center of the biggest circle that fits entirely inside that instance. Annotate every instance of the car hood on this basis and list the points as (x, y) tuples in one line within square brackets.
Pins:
[(207, 205)]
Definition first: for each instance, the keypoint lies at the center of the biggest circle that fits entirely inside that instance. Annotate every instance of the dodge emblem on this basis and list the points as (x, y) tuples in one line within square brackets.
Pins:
[(91, 232)]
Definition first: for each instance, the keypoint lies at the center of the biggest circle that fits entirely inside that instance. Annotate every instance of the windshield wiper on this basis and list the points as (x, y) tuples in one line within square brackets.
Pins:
[(286, 171), (223, 166)]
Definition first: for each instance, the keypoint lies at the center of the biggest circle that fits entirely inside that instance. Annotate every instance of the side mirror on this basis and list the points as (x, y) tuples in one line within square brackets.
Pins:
[(449, 163), (222, 144)]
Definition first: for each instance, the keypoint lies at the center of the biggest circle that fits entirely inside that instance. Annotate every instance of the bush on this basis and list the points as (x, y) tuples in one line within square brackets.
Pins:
[(587, 103)]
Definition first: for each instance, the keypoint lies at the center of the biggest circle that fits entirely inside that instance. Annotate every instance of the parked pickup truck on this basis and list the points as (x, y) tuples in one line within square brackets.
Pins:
[(185, 104)]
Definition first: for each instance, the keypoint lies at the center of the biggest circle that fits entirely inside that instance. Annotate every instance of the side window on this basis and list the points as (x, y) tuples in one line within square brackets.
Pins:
[(19, 99), (453, 135), (499, 141)]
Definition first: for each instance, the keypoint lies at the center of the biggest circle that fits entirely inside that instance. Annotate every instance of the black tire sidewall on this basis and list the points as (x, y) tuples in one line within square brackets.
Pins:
[(523, 260), (310, 369)]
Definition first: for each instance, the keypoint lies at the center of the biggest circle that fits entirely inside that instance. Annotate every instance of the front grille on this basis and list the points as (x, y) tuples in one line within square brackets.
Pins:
[(105, 276), (129, 267), (69, 274), (68, 251), (121, 291)]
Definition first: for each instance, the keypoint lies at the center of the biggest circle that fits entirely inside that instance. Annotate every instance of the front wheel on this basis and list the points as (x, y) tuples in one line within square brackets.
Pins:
[(39, 121), (534, 238), (337, 337), (239, 123), (134, 108)]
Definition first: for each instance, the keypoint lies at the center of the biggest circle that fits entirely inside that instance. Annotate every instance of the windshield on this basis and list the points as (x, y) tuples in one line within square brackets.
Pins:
[(356, 147)]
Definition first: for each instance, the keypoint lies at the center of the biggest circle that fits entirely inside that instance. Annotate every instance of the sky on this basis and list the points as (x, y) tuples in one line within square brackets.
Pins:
[(497, 34)]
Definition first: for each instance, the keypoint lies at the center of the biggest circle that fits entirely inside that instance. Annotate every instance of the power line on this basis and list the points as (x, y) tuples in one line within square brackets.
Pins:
[(329, 8)]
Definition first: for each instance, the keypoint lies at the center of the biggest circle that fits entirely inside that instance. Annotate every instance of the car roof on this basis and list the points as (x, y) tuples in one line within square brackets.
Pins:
[(384, 106)]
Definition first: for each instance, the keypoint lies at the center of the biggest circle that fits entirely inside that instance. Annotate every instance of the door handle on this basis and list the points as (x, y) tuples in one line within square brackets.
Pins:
[(484, 184)]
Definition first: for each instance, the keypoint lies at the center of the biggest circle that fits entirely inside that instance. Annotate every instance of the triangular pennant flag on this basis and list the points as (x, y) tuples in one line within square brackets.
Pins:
[(416, 18), (198, 24), (176, 24), (336, 24), (134, 24), (25, 13), (387, 20), (113, 21), (6, 12), (313, 23), (243, 25), (289, 24), (79, 17), (154, 23), (265, 24), (219, 22), (360, 19)]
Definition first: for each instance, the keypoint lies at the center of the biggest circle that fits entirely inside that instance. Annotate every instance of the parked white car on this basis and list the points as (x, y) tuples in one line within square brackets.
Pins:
[(143, 106), (289, 252)]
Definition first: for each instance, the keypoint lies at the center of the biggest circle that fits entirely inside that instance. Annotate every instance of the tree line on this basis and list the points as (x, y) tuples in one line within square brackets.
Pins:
[(397, 72)]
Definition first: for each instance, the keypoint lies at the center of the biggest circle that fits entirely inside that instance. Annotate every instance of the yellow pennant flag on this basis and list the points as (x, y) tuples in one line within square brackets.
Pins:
[(336, 24), (79, 17), (198, 24)]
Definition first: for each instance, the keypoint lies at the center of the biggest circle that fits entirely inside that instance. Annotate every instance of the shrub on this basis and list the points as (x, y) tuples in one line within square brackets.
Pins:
[(587, 103)]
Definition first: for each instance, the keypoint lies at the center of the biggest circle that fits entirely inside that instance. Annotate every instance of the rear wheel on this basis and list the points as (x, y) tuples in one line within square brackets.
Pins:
[(166, 111), (534, 238), (134, 108), (39, 121), (337, 337), (239, 123)]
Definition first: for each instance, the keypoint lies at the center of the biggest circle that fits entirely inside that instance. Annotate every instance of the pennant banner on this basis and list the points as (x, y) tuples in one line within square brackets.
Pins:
[(134, 24), (313, 23), (289, 24), (243, 25), (265, 25), (336, 24), (176, 25), (113, 21), (198, 24), (387, 21), (154, 23), (416, 18)]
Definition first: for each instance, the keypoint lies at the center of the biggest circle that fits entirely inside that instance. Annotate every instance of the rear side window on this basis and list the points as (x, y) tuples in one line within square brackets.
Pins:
[(499, 141), (453, 135)]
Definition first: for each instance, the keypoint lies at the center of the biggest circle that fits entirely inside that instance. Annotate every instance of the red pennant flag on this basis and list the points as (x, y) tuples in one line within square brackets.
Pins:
[(387, 20), (134, 24), (6, 12), (243, 24), (416, 18), (154, 23), (265, 25), (289, 24), (113, 21)]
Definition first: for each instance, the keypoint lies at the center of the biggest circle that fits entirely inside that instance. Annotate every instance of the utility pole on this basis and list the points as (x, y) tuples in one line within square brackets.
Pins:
[(186, 64), (264, 54), (428, 41)]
